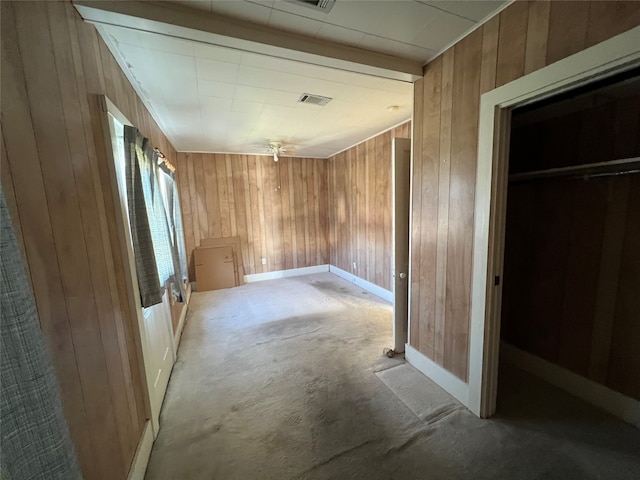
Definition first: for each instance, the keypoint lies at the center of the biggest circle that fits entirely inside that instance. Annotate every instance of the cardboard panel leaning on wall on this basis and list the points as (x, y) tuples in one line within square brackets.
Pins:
[(553, 31), (360, 207), (278, 209), (54, 67)]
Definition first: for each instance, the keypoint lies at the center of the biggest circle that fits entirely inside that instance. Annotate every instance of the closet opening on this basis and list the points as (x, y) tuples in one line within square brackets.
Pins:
[(571, 274)]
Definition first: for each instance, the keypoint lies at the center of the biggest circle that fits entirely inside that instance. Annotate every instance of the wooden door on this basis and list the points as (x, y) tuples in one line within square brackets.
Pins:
[(401, 172)]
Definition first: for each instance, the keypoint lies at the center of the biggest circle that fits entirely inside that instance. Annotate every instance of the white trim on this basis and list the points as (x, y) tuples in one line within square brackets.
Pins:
[(446, 380), (141, 340), (399, 284), (617, 404), (362, 283), (220, 30), (410, 119), (178, 334), (612, 56), (411, 170), (306, 156), (143, 452), (293, 272)]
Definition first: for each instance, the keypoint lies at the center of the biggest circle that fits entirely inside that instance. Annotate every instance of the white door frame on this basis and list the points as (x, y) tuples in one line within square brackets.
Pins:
[(142, 341), (612, 56), (400, 273)]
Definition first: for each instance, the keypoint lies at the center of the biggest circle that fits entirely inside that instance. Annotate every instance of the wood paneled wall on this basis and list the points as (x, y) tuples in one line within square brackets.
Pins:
[(524, 37), (278, 209), (571, 276), (55, 177), (360, 214), (569, 268)]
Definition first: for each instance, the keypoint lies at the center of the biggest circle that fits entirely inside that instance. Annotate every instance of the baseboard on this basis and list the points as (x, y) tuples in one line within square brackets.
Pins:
[(617, 404), (178, 335), (445, 380), (143, 452), (362, 283), (293, 272)]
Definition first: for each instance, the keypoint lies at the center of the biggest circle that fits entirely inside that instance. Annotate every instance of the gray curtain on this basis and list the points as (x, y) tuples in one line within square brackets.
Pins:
[(33, 430), (139, 157)]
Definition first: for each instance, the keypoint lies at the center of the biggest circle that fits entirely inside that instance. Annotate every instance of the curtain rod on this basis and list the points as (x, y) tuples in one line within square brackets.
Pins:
[(588, 170), (163, 159)]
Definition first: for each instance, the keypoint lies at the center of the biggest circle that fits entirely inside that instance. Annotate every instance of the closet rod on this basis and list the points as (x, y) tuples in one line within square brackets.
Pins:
[(626, 165)]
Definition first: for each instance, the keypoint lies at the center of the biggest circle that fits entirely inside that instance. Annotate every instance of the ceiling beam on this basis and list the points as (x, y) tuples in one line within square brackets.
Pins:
[(190, 24)]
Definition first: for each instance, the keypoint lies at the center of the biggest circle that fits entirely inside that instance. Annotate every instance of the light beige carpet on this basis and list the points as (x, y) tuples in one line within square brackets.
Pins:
[(277, 380)]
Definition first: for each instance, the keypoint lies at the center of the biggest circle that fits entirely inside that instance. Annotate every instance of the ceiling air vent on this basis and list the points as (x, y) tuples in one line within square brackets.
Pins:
[(321, 5), (314, 99)]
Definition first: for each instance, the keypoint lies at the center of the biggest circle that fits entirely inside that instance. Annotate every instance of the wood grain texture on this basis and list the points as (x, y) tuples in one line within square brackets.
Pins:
[(415, 211), (360, 225), (568, 24), (524, 37), (537, 36), (624, 359), (54, 67), (568, 276), (464, 144), (278, 209), (512, 42), (426, 250)]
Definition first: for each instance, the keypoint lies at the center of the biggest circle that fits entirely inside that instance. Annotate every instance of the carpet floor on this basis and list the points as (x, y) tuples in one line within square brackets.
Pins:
[(285, 379)]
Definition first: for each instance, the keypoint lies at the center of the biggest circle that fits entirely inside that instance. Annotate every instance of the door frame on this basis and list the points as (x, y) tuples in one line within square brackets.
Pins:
[(142, 343), (400, 326), (613, 56)]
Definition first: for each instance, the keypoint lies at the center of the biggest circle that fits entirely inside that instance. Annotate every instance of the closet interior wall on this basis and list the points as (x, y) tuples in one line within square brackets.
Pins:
[(572, 256)]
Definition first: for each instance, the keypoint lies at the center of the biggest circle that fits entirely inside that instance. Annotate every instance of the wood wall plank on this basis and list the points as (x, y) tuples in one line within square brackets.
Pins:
[(512, 42), (568, 22), (360, 223), (607, 17), (54, 67), (278, 210), (490, 38), (429, 200), (464, 141), (35, 223), (523, 38), (444, 173), (46, 106), (416, 215), (537, 35), (624, 360)]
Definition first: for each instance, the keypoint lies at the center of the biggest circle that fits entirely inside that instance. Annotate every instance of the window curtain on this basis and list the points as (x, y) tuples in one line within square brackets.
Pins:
[(34, 433), (173, 217), (147, 218)]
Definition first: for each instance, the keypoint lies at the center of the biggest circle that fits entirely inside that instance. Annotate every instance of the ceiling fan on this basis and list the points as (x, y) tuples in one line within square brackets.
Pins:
[(277, 149)]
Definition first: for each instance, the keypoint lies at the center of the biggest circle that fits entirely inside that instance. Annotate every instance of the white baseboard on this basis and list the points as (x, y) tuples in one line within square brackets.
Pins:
[(293, 272), (178, 335), (362, 283), (617, 404), (143, 452), (445, 380)]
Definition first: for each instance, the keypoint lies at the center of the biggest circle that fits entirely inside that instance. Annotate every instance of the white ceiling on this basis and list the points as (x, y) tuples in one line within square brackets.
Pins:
[(406, 28), (210, 98)]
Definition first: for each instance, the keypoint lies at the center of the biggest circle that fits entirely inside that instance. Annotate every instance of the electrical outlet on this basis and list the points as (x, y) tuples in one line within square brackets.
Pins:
[(264, 261), (354, 266)]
